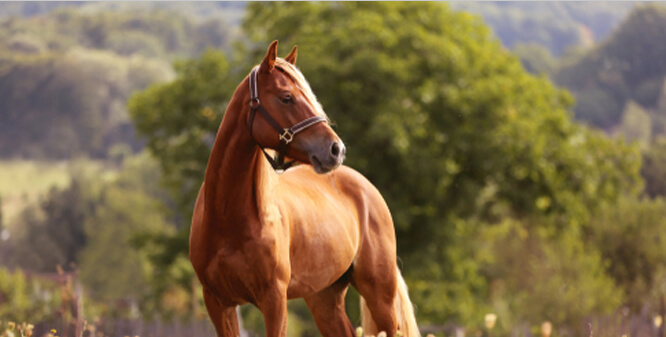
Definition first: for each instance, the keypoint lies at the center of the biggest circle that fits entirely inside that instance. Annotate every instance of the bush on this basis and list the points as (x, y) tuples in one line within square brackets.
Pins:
[(26, 299)]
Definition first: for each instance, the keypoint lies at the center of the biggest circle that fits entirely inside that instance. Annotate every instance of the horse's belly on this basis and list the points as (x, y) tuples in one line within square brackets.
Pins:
[(320, 254)]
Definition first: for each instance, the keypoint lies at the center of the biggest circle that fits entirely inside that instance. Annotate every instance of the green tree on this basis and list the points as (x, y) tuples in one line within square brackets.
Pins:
[(52, 233), (636, 124), (98, 226), (654, 168), (535, 274), (25, 300), (111, 266), (180, 121), (630, 237)]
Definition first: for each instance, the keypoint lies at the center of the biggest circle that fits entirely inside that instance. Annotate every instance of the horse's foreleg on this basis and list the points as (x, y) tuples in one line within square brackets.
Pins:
[(273, 306), (223, 317), (328, 310)]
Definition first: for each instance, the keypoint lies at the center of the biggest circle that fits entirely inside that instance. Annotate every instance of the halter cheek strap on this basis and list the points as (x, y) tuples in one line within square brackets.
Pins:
[(286, 135)]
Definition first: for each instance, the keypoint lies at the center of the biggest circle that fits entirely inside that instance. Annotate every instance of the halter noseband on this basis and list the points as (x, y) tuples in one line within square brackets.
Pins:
[(286, 135)]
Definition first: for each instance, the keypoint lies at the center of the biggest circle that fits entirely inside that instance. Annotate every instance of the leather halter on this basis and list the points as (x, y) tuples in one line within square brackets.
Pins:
[(286, 135)]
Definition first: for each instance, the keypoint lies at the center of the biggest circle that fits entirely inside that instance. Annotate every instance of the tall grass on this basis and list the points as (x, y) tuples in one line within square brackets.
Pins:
[(14, 330)]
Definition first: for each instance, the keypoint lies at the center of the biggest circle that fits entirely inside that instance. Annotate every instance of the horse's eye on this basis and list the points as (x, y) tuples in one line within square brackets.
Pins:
[(287, 99)]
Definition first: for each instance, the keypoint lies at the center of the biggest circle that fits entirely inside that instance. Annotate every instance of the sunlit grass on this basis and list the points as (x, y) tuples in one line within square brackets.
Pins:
[(16, 330), (26, 330)]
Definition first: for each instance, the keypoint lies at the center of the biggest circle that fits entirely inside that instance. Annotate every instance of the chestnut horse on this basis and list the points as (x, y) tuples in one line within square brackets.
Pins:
[(261, 237)]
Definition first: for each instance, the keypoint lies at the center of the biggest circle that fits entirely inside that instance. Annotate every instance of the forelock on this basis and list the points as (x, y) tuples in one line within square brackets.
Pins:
[(301, 83)]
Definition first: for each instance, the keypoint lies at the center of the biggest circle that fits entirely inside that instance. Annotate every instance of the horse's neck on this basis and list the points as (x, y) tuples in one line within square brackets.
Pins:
[(239, 181)]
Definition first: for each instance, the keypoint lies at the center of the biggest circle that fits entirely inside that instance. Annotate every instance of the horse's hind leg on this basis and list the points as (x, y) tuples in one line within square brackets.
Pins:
[(374, 277), (328, 310), (273, 305), (223, 317), (378, 292)]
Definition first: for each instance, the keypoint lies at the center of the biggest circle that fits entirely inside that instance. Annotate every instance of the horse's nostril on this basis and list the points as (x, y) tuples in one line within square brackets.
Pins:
[(338, 151), (335, 150)]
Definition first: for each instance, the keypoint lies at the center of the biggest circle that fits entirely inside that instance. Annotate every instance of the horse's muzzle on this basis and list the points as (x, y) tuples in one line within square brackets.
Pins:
[(328, 158)]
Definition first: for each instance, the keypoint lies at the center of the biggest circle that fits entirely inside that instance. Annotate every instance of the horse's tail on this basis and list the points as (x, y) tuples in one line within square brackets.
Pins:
[(404, 313)]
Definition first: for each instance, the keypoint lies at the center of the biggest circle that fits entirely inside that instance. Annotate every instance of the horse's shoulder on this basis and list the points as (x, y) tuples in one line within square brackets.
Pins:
[(352, 178)]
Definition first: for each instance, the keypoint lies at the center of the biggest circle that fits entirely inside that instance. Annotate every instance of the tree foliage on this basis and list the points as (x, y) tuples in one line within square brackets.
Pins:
[(52, 233), (131, 205), (97, 227), (636, 124), (558, 277), (25, 299), (654, 168), (630, 237), (180, 120)]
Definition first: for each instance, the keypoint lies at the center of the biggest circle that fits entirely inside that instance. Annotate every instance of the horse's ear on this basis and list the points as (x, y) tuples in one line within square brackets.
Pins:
[(269, 60), (293, 54)]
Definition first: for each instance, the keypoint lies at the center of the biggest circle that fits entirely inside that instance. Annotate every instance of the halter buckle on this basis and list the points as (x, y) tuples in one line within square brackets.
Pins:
[(287, 136)]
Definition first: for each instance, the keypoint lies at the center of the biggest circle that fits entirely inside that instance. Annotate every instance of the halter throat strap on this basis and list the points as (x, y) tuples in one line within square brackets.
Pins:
[(286, 135)]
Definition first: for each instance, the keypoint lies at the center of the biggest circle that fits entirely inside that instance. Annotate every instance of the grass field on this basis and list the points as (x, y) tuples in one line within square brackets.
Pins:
[(23, 181)]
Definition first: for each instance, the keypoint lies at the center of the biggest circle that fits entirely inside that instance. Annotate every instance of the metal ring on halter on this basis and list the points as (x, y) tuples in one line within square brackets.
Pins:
[(254, 103)]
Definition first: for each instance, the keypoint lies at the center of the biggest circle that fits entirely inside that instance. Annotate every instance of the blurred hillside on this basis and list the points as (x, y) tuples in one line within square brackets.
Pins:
[(231, 11), (624, 77), (23, 9), (65, 76), (556, 26)]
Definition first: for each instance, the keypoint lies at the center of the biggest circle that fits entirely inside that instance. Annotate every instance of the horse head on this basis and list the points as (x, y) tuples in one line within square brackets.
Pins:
[(285, 115)]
